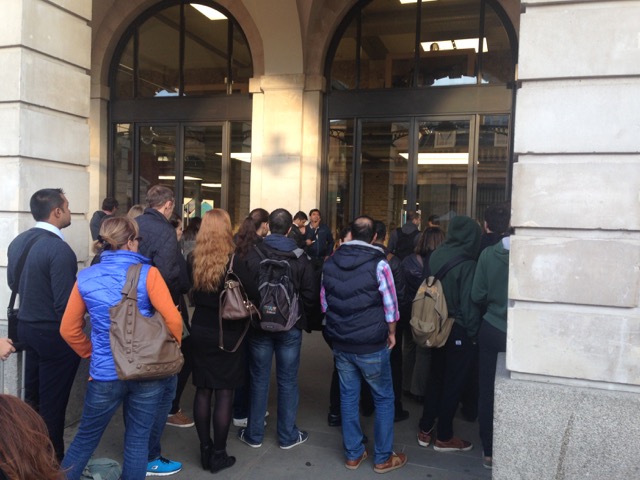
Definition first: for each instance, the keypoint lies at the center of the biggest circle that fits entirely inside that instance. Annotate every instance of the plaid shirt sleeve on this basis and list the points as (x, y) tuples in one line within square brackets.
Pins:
[(388, 291)]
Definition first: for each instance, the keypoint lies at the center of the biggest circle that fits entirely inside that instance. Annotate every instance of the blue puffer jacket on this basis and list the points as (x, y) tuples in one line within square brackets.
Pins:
[(355, 313), (100, 287)]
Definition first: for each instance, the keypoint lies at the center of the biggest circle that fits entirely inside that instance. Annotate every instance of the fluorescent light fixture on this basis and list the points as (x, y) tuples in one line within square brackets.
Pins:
[(459, 44), (173, 177), (415, 1), (440, 158), (163, 158), (210, 13), (212, 185), (242, 156)]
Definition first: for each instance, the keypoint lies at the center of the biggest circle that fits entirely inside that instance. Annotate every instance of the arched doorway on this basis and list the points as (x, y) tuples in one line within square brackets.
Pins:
[(419, 110), (180, 111)]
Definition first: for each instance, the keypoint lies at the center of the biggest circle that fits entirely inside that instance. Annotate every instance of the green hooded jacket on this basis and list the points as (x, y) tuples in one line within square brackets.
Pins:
[(490, 284), (463, 238)]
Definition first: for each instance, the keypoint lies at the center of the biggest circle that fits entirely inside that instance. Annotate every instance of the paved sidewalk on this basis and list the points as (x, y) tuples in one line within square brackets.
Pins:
[(321, 456)]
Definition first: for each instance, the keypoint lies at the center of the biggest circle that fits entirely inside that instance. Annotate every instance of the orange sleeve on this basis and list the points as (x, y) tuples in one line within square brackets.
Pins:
[(162, 302), (72, 324)]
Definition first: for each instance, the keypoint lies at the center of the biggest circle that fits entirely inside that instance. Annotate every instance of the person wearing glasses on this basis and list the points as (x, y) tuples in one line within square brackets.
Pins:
[(97, 289)]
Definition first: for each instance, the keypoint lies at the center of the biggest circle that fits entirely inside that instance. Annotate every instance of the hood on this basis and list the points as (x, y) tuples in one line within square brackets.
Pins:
[(280, 242), (463, 238), (355, 253)]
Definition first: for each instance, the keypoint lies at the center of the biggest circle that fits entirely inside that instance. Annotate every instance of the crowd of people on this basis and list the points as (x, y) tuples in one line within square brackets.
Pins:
[(358, 291)]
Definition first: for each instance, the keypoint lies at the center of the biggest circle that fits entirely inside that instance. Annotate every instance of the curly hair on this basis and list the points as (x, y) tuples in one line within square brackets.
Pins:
[(25, 449), (214, 244)]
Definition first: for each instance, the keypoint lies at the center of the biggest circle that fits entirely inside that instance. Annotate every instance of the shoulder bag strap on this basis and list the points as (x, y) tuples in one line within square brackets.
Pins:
[(20, 267), (130, 287)]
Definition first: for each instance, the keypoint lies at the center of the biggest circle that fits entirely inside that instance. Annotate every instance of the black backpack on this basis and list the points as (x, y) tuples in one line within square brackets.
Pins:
[(406, 243), (279, 300)]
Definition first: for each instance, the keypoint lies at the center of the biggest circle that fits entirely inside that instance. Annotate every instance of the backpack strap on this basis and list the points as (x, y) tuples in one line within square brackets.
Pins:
[(450, 264)]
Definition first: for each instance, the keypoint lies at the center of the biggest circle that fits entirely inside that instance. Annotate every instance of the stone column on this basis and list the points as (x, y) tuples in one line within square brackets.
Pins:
[(286, 139), (573, 336), (45, 50)]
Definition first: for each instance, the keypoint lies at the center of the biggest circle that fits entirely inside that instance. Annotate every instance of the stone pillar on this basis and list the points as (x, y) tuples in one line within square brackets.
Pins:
[(573, 343), (286, 140), (45, 53)]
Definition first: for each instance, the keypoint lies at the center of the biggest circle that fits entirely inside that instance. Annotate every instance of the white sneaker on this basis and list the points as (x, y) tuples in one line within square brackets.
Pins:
[(242, 422)]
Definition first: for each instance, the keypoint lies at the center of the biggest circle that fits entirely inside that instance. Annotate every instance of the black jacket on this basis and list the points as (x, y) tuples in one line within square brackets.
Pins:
[(304, 278), (160, 244)]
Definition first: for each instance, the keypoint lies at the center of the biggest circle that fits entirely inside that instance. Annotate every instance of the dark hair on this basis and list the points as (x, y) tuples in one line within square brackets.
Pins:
[(314, 210), (44, 201), (434, 219), (301, 216), (191, 231), (175, 220), (25, 448), (247, 237), (110, 204), (362, 229), (498, 217), (158, 195), (280, 221), (429, 240), (380, 229), (411, 216), (344, 231)]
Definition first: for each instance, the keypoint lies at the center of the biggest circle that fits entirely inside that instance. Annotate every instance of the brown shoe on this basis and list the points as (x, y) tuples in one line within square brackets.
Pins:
[(353, 464), (396, 460), (180, 420), (454, 445), (425, 438)]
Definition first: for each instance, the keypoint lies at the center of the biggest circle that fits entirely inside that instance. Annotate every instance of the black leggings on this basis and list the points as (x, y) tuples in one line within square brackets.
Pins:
[(220, 420)]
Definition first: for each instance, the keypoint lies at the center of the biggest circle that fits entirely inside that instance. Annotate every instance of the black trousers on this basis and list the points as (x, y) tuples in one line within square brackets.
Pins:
[(185, 372), (449, 368), (396, 366), (491, 341), (51, 367)]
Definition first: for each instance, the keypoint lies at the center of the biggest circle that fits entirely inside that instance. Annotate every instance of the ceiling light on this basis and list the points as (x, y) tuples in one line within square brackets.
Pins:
[(440, 158), (242, 156), (173, 177), (415, 1), (212, 185), (210, 13), (459, 44)]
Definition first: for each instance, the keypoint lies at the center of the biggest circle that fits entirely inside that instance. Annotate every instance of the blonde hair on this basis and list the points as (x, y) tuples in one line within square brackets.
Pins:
[(214, 244), (115, 233), (135, 211)]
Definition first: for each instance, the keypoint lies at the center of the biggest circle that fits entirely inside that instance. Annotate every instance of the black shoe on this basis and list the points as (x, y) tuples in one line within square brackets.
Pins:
[(400, 415), (220, 461), (205, 454), (365, 439), (334, 420)]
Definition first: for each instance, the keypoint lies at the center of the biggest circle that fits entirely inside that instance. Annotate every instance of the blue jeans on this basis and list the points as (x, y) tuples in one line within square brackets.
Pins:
[(140, 399), (163, 409), (286, 346), (375, 369)]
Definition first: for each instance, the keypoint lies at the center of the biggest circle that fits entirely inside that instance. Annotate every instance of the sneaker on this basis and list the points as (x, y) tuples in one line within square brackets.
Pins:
[(353, 464), (454, 445), (487, 462), (242, 422), (302, 437), (396, 460), (241, 436), (162, 467), (425, 438), (179, 420)]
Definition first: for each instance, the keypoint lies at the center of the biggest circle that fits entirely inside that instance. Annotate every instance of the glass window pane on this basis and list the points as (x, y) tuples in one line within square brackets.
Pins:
[(388, 43), (123, 165), (443, 165), (343, 67), (493, 162), (239, 173), (158, 54), (340, 162), (449, 42), (384, 162), (202, 169), (124, 74), (241, 65), (205, 51), (497, 63), (157, 157)]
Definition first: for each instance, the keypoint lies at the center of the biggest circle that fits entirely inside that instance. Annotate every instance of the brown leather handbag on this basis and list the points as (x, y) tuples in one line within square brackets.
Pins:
[(142, 347), (234, 304)]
